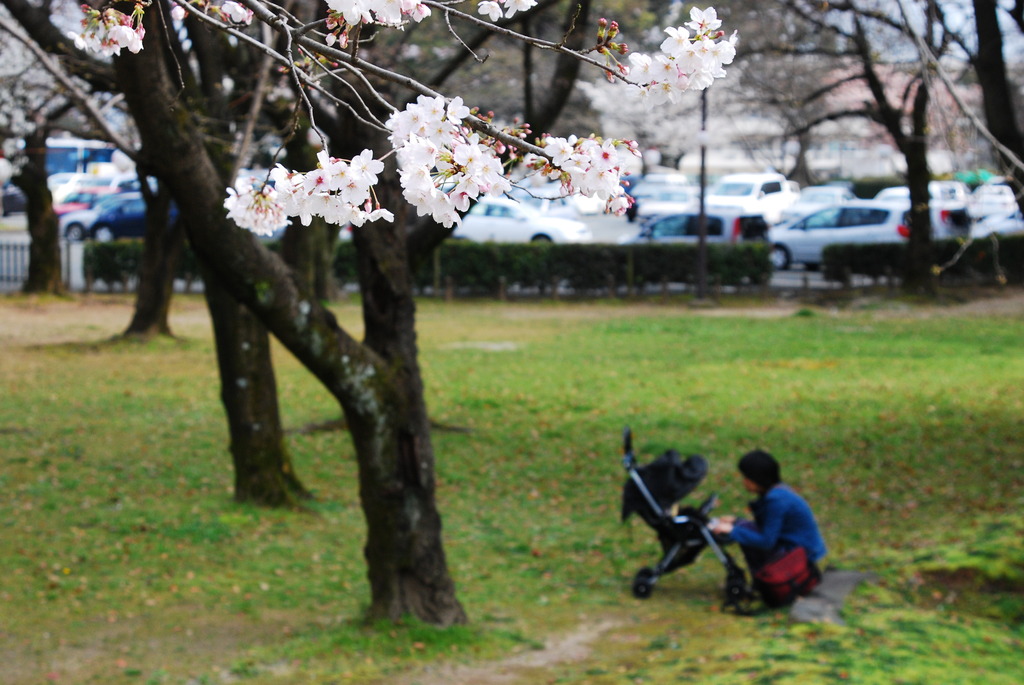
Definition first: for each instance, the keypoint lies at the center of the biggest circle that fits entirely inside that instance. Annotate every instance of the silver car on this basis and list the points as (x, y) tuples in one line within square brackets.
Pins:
[(865, 221), (723, 225)]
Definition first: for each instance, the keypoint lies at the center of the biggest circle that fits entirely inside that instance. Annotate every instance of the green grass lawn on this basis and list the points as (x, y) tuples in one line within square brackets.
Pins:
[(124, 559)]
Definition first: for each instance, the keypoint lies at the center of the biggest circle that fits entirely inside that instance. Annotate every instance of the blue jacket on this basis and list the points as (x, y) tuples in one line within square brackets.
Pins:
[(784, 520)]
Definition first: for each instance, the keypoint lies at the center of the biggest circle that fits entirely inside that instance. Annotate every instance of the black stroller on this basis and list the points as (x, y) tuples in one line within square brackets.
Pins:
[(652, 491)]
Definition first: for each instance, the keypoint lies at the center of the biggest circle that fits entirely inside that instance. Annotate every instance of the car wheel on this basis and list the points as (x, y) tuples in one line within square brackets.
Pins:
[(540, 238), (75, 232), (780, 258), (103, 234)]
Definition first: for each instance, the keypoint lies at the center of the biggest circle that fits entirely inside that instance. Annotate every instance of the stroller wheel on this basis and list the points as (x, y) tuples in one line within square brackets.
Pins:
[(643, 583)]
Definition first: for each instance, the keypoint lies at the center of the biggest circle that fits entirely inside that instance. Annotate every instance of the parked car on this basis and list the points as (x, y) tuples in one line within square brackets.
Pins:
[(944, 191), (77, 225), (1000, 224), (993, 197), (767, 194), (72, 183), (550, 200), (658, 199), (82, 199), (813, 198), (507, 221), (948, 205), (13, 199), (724, 225), (121, 215), (863, 221)]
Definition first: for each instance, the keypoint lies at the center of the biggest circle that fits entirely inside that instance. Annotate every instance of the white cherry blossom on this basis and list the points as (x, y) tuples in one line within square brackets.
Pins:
[(236, 12), (490, 9)]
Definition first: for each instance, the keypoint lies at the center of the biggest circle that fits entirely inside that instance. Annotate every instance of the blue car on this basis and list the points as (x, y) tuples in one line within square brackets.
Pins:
[(122, 216)]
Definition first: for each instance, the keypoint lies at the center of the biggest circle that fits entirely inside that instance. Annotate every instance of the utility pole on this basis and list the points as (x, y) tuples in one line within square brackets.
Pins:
[(702, 219)]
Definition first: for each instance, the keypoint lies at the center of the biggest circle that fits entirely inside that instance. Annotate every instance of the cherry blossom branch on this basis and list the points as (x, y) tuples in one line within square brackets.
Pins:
[(529, 40), (79, 96), (448, 155)]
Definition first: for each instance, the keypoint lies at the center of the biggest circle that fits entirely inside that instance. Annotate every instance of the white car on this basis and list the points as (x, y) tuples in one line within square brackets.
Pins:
[(501, 220), (1000, 224), (813, 198), (767, 194), (551, 200), (71, 183), (862, 221), (948, 204), (992, 198), (658, 199)]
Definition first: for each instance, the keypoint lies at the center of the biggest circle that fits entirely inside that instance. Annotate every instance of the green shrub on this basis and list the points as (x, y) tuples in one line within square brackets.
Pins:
[(114, 263), (117, 263), (480, 268), (990, 259)]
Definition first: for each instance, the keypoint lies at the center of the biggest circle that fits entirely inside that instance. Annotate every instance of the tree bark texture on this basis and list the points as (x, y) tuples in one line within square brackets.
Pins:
[(380, 395), (990, 67), (161, 252), (44, 268), (917, 274), (263, 468)]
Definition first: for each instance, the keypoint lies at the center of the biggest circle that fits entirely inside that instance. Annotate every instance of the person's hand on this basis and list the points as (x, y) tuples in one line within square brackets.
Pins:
[(724, 525)]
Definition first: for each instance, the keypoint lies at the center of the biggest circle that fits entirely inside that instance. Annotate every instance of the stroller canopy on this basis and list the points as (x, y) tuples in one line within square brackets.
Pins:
[(668, 478)]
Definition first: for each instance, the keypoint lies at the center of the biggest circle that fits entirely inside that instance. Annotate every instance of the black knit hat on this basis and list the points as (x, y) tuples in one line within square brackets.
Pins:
[(760, 467)]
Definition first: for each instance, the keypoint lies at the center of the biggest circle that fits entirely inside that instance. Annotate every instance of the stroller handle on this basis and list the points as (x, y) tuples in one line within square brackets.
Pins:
[(628, 458)]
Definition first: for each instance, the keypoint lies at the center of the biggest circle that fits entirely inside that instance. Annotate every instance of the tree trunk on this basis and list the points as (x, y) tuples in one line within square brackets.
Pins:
[(990, 67), (407, 567), (161, 253), (918, 276), (382, 397), (263, 467), (44, 268), (917, 273)]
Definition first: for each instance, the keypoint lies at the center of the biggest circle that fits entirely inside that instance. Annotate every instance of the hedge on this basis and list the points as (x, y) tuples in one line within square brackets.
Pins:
[(981, 261), (117, 263), (485, 268)]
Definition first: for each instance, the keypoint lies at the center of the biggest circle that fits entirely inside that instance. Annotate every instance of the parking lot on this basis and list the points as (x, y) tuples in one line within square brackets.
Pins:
[(606, 229)]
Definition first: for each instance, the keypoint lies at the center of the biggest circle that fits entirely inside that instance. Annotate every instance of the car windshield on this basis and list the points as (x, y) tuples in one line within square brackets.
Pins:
[(669, 196), (109, 201), (819, 196), (892, 193), (733, 189)]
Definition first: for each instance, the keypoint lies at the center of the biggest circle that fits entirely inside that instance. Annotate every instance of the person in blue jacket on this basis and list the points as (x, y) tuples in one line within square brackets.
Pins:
[(782, 518)]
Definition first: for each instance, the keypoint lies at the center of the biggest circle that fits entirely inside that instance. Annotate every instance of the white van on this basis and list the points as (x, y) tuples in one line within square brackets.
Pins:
[(767, 194)]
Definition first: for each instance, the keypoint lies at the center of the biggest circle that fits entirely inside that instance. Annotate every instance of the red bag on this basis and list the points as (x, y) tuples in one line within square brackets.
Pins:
[(784, 578)]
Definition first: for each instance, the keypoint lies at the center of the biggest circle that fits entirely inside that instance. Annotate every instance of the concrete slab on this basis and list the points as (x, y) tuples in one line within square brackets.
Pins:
[(825, 602)]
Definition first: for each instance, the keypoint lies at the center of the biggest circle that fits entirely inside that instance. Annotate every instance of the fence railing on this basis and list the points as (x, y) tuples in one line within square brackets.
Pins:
[(14, 258), (13, 261)]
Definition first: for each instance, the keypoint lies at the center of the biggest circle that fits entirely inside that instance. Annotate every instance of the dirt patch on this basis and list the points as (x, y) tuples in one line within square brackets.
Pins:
[(570, 647), (178, 642)]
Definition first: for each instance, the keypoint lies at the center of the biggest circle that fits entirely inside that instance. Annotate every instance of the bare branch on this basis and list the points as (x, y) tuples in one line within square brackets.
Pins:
[(80, 98)]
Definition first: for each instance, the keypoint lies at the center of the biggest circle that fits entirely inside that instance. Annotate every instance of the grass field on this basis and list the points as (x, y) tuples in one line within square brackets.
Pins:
[(124, 559)]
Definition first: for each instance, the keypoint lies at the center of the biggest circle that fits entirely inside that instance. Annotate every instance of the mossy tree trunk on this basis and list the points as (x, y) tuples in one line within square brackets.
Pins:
[(263, 469), (377, 384), (161, 253), (44, 267)]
